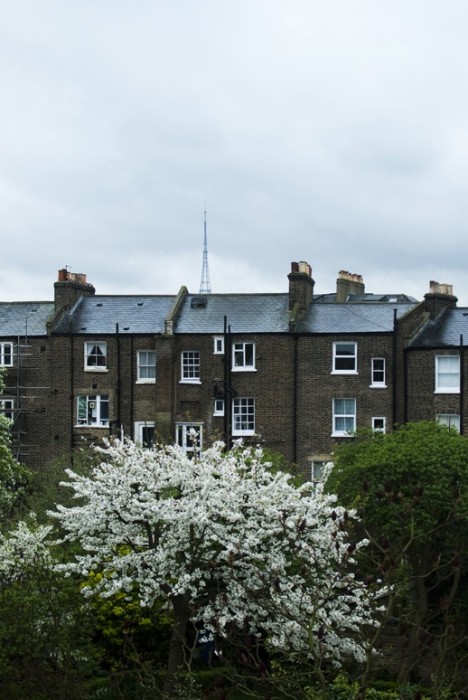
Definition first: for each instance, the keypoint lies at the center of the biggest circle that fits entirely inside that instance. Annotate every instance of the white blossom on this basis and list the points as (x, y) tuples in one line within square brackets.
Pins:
[(237, 541), (23, 548)]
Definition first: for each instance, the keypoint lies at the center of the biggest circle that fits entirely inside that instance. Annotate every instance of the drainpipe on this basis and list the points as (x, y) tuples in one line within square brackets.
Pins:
[(295, 393), (72, 394), (394, 373), (119, 381), (462, 385), (132, 385), (227, 385)]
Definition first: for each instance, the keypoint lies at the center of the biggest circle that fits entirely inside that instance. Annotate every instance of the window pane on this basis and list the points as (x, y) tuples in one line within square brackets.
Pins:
[(104, 406), (147, 436), (7, 354), (243, 416), (96, 354), (249, 354), (344, 357), (344, 415), (448, 372), (190, 365), (378, 370), (451, 420), (82, 408), (146, 364), (238, 355), (344, 348)]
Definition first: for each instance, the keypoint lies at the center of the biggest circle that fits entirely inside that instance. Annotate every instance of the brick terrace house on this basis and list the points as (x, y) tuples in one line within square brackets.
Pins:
[(294, 371)]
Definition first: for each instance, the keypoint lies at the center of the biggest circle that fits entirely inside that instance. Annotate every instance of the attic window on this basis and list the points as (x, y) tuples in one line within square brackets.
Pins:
[(83, 328), (198, 303), (99, 303), (126, 328), (140, 303)]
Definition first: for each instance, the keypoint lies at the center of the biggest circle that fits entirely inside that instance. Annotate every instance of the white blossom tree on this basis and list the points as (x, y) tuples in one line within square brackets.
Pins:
[(226, 541), (26, 546)]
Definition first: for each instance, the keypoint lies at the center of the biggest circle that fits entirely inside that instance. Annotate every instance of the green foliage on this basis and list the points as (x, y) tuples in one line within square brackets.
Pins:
[(128, 634), (46, 489), (341, 688), (46, 649), (407, 484), (410, 489), (14, 477)]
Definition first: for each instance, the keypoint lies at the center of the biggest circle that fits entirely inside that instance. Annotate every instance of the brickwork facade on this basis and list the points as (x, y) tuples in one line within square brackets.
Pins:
[(298, 374)]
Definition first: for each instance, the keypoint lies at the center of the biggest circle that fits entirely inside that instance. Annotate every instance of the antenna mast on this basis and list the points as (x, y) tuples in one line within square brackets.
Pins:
[(205, 286)]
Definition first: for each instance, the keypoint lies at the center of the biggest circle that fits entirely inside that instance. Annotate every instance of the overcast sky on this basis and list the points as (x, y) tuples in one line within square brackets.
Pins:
[(331, 131)]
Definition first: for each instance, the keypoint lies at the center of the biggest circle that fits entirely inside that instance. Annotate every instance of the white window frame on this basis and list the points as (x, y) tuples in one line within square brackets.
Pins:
[(184, 439), (139, 433), (442, 386), (91, 410), (243, 416), (317, 468), (342, 357), (91, 356), (451, 420), (145, 368), (7, 408), (6, 354), (218, 345), (379, 424), (218, 407), (190, 367), (376, 372), (243, 356), (347, 413)]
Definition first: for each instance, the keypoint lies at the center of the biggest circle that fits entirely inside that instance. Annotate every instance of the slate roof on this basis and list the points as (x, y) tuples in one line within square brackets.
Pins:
[(352, 317), (201, 313), (25, 317), (443, 331), (98, 315), (367, 297), (268, 313), (245, 313)]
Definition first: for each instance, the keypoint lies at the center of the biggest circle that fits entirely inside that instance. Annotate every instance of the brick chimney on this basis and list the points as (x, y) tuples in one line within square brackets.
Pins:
[(348, 283), (301, 286), (440, 296), (69, 287)]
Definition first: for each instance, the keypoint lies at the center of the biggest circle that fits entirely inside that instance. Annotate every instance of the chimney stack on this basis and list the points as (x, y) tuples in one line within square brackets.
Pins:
[(69, 287), (439, 297), (348, 283), (301, 286)]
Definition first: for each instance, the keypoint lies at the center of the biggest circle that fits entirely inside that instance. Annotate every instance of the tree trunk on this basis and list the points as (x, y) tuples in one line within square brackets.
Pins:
[(417, 618), (176, 658)]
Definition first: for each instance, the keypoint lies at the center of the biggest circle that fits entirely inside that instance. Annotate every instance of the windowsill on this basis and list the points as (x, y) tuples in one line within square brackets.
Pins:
[(145, 381), (343, 435), (190, 381), (344, 371), (96, 369), (92, 425), (243, 369), (447, 391), (243, 433), (378, 386), (218, 415)]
